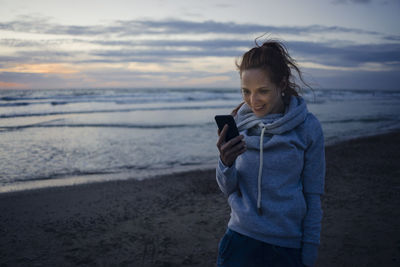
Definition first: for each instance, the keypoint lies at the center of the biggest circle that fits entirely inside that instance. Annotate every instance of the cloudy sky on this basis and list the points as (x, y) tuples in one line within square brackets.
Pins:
[(194, 43)]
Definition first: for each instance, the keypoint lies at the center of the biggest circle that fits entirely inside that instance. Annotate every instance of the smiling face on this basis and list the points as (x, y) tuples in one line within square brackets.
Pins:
[(260, 94)]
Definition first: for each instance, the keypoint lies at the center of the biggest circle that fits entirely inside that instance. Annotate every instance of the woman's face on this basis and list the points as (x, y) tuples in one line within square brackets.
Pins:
[(260, 94)]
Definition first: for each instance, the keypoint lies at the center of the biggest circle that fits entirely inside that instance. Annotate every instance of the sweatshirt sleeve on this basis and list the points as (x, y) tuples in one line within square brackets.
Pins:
[(311, 229), (313, 187), (226, 178)]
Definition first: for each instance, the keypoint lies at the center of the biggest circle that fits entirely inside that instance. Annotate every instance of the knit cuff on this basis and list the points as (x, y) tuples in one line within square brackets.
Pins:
[(226, 170), (309, 254)]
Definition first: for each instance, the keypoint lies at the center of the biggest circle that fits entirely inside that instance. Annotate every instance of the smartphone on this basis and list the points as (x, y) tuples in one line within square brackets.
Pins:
[(233, 131)]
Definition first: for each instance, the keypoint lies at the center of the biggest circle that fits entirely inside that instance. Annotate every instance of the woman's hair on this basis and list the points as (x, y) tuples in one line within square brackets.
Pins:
[(273, 57)]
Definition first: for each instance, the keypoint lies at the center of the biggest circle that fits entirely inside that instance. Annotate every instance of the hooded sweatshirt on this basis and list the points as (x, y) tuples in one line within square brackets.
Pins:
[(274, 188)]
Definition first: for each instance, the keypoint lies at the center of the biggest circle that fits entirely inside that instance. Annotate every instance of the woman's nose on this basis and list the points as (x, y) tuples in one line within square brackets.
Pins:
[(254, 98)]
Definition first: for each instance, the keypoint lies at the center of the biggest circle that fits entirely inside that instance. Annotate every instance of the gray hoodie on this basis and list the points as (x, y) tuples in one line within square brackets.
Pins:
[(274, 188)]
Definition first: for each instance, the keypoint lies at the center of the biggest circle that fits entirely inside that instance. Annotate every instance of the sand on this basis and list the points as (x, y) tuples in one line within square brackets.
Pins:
[(177, 220)]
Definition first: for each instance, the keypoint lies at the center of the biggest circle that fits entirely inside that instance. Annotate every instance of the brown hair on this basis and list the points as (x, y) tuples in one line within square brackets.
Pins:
[(273, 57)]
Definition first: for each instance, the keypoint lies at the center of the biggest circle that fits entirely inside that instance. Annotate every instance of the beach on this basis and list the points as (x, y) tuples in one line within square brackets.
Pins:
[(177, 220)]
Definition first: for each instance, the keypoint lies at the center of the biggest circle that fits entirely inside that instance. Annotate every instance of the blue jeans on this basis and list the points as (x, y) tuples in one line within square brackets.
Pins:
[(237, 250)]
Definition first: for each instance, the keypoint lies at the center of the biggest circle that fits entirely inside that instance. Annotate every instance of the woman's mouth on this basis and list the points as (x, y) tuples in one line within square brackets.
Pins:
[(258, 108)]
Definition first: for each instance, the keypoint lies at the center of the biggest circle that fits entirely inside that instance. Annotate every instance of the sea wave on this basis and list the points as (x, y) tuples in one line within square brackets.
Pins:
[(115, 170), (341, 94), (136, 96), (101, 125), (52, 113), (363, 120), (121, 97)]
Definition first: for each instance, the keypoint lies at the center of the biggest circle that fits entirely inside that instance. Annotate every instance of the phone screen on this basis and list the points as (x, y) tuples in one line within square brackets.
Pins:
[(233, 131)]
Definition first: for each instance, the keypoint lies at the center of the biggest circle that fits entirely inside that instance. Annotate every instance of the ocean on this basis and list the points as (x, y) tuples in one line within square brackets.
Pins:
[(66, 137)]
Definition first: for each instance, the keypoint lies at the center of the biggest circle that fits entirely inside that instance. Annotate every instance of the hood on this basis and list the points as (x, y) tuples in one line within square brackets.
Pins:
[(295, 114)]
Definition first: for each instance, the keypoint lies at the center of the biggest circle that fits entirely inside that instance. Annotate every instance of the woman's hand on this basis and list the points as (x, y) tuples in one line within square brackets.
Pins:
[(229, 151)]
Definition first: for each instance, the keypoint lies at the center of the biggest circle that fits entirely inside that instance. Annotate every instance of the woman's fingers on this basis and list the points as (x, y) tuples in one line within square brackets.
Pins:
[(222, 135), (228, 145), (238, 147), (231, 150), (230, 157), (236, 150)]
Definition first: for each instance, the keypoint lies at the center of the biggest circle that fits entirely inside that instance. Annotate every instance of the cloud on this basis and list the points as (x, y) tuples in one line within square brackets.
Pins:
[(34, 24), (124, 78), (223, 5), (349, 55), (159, 55), (165, 52), (29, 24), (392, 38), (366, 67), (11, 85), (388, 80), (351, 1), (58, 68), (152, 41), (27, 80)]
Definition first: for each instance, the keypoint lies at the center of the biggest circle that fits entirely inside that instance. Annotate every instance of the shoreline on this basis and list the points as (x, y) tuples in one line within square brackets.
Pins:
[(78, 180), (178, 219)]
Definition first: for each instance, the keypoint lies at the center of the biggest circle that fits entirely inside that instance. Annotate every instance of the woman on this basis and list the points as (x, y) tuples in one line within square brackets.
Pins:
[(273, 173)]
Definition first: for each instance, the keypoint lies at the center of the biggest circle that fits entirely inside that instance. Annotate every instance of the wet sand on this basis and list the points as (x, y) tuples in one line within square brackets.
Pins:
[(177, 220)]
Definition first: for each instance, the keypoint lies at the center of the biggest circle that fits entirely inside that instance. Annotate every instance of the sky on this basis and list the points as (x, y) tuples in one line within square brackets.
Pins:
[(51, 44)]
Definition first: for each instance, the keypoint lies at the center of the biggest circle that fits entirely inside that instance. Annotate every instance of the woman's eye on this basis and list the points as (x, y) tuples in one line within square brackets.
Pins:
[(264, 92), (245, 92)]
